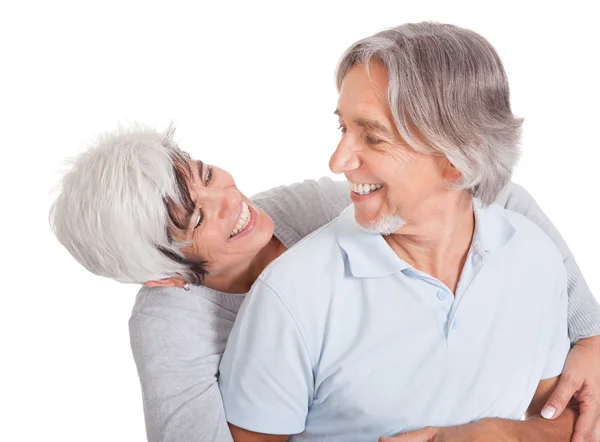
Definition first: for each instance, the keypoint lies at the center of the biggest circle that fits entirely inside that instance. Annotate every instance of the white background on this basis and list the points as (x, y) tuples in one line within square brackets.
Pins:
[(251, 89)]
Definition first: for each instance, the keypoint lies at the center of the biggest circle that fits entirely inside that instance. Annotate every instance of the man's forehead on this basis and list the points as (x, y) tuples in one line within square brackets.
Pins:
[(366, 83), (363, 101)]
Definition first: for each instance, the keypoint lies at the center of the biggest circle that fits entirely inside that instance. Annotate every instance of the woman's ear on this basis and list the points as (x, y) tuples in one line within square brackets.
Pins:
[(166, 282)]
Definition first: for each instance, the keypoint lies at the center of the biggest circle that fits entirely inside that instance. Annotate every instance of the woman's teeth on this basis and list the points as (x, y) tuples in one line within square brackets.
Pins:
[(243, 220), (364, 189)]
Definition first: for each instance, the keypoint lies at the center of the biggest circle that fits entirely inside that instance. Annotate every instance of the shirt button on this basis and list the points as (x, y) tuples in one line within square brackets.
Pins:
[(442, 295), (476, 257), (455, 324)]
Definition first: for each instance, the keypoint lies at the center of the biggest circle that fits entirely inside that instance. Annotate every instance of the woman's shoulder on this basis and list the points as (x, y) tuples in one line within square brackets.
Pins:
[(196, 306), (197, 321)]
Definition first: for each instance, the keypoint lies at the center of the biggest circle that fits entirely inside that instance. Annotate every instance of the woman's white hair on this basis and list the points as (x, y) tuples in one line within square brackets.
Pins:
[(115, 209), (449, 95)]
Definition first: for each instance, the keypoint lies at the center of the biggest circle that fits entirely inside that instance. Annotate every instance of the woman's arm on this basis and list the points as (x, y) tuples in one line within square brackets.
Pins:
[(580, 379), (584, 310), (177, 343), (301, 208)]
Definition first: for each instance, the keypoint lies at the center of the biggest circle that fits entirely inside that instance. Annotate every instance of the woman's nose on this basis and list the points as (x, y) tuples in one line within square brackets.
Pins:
[(230, 202), (222, 203)]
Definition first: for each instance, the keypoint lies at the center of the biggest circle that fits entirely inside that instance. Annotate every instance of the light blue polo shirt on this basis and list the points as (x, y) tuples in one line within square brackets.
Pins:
[(341, 340)]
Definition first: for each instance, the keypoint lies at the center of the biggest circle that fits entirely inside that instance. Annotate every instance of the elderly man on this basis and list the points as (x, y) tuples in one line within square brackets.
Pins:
[(423, 305)]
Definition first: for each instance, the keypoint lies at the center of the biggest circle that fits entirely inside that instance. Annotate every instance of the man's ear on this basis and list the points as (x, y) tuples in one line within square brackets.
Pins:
[(450, 173), (166, 282)]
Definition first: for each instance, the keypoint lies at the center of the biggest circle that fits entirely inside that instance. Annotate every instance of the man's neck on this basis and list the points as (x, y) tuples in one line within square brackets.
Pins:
[(241, 278), (437, 242)]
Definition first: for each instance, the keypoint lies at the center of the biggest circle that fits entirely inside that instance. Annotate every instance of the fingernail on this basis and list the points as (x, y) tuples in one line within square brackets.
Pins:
[(548, 412)]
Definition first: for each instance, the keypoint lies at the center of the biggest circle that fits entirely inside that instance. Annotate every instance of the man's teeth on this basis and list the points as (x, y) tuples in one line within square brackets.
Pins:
[(243, 220), (364, 189)]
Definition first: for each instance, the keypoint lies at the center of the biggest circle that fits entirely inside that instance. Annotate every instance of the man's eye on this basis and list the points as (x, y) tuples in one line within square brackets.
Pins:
[(200, 219), (342, 129), (372, 140)]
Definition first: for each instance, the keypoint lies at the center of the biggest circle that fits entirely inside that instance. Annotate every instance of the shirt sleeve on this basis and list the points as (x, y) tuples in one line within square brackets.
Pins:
[(266, 372), (178, 374), (301, 208), (583, 308), (560, 345)]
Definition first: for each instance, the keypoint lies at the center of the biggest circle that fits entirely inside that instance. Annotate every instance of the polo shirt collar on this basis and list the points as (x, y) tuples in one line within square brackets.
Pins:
[(492, 229), (370, 256)]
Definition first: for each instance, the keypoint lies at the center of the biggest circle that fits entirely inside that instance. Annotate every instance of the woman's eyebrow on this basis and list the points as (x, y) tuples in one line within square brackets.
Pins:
[(186, 203), (200, 165)]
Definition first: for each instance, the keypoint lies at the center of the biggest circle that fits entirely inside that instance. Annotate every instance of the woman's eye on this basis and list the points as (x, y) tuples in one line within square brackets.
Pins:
[(342, 129), (209, 176), (199, 220)]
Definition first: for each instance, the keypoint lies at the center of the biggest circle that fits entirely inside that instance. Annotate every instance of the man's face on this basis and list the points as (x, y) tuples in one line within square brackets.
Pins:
[(372, 152)]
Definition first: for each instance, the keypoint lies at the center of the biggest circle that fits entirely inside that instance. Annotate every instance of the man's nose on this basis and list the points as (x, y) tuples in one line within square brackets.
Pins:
[(345, 157)]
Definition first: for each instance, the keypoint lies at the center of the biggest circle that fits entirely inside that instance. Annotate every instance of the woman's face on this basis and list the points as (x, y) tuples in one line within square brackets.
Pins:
[(226, 229)]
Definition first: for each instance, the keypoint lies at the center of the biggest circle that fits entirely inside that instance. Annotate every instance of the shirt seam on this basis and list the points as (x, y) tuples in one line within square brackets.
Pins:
[(313, 361)]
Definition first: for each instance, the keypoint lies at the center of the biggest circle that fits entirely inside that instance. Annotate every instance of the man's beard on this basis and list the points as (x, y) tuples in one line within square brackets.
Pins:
[(384, 225)]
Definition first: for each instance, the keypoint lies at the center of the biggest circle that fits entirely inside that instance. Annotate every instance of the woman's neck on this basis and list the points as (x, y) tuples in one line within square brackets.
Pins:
[(240, 280)]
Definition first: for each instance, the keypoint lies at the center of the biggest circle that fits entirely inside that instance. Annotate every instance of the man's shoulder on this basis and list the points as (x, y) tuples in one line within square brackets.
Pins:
[(313, 251), (302, 282), (306, 270)]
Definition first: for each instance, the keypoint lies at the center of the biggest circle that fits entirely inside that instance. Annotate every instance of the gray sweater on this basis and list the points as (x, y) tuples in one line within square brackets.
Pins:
[(178, 337)]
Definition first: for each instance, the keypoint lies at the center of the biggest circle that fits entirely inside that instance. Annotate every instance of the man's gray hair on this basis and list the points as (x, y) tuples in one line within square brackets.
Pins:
[(449, 95), (115, 212)]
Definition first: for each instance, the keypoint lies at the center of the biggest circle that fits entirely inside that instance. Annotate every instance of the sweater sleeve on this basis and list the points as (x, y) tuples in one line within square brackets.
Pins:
[(583, 308), (177, 344), (301, 208)]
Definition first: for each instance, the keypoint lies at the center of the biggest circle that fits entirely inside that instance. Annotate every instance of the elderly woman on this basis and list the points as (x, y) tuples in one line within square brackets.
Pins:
[(138, 209)]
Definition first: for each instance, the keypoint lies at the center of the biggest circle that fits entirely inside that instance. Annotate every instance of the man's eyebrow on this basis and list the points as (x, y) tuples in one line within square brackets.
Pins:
[(372, 125), (367, 124)]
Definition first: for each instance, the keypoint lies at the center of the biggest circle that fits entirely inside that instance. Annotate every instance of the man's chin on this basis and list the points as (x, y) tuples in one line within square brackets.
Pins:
[(381, 225)]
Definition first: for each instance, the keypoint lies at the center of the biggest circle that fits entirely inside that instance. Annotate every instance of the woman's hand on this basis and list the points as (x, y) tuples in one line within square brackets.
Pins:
[(580, 381)]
